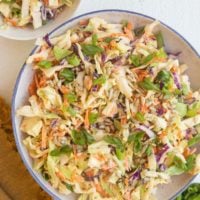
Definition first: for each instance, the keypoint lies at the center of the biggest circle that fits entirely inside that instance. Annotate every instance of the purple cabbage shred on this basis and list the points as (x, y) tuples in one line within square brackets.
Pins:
[(47, 40), (160, 111), (103, 57), (162, 151), (176, 80), (136, 175)]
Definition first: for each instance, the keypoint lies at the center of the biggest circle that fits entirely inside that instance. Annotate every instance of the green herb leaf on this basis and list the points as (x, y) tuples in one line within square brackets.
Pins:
[(60, 53), (140, 116), (108, 39), (191, 193), (161, 53), (79, 138), (147, 84), (99, 81), (194, 140), (69, 187), (94, 39), (73, 60), (89, 137), (191, 162), (135, 60), (93, 117), (148, 58), (91, 50), (45, 64), (113, 140), (179, 163), (82, 137), (148, 150), (193, 109), (118, 144), (139, 31), (163, 76), (160, 40), (71, 97), (71, 111), (120, 153), (67, 74), (181, 108), (173, 170), (136, 139), (66, 149)]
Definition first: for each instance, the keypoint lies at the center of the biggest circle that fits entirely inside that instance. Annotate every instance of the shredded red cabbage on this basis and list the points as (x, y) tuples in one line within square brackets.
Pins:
[(176, 80), (103, 57), (161, 152), (136, 175), (47, 40), (160, 111)]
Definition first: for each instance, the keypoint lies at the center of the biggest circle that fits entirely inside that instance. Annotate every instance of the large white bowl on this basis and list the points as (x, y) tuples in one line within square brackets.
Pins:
[(28, 33), (174, 43)]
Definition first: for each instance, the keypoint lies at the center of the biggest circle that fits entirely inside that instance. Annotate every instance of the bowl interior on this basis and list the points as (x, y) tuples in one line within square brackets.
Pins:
[(174, 43), (28, 33)]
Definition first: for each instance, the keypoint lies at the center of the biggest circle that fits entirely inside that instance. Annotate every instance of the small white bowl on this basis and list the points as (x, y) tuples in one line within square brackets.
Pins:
[(174, 43), (28, 33)]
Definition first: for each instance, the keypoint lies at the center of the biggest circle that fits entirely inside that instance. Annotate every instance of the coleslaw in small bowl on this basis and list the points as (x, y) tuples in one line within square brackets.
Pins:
[(30, 19)]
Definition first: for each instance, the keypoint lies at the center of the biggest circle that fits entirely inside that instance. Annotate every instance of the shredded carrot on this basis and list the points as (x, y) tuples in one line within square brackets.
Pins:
[(162, 135), (61, 133), (44, 138), (100, 157), (88, 82), (100, 190), (86, 120), (186, 152), (11, 21), (113, 43), (32, 88), (117, 35), (64, 89), (81, 155), (46, 2), (140, 73), (89, 172), (128, 33), (38, 59), (40, 80), (155, 149), (123, 120), (144, 108), (77, 178), (126, 181), (61, 176)]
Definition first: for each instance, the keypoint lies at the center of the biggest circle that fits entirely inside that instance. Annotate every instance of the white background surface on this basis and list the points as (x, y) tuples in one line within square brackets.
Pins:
[(181, 15)]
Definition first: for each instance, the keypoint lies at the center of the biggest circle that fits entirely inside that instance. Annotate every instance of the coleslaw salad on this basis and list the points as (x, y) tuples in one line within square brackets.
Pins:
[(21, 13), (125, 116)]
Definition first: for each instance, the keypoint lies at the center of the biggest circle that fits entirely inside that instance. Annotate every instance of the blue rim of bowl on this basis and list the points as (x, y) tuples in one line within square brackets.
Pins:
[(23, 67)]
